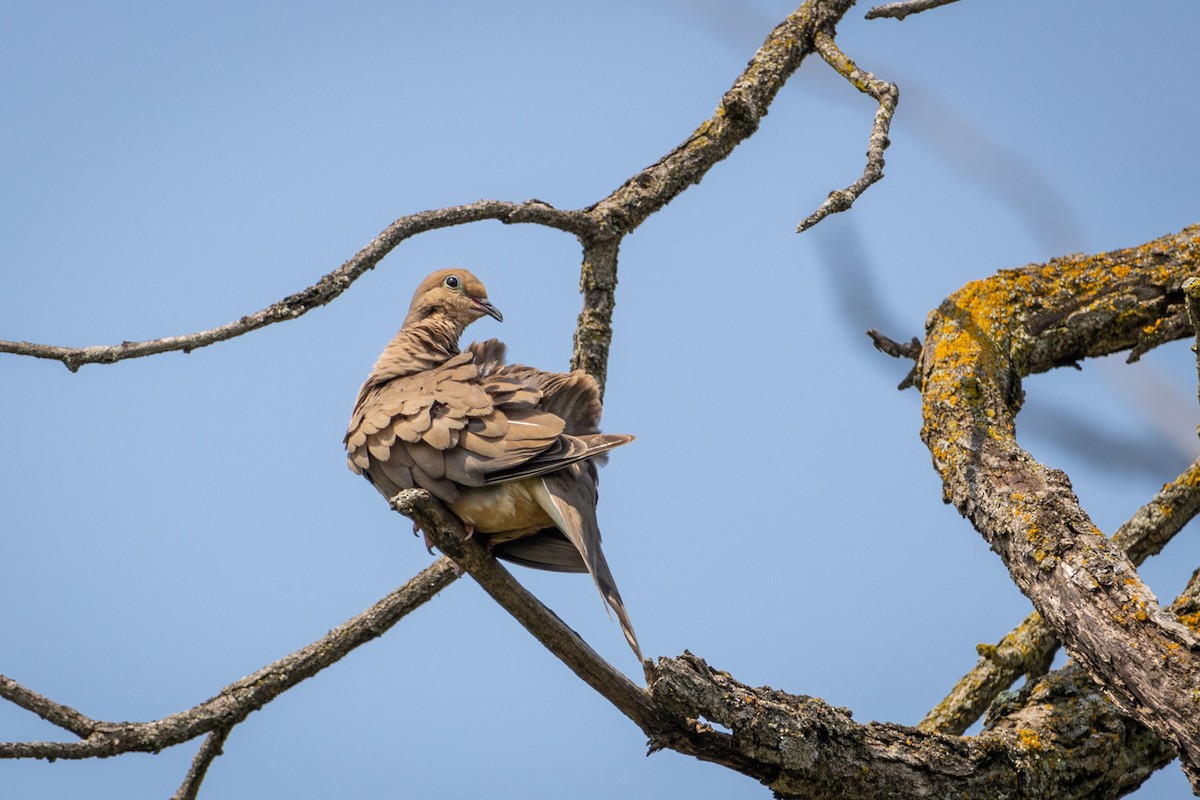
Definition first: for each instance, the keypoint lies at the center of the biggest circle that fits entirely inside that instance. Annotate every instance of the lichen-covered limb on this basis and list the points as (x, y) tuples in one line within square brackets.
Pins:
[(802, 747), (1028, 648), (1024, 650), (1191, 292), (979, 344)]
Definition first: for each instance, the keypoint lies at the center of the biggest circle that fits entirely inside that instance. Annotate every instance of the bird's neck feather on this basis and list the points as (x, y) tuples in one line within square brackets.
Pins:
[(420, 345)]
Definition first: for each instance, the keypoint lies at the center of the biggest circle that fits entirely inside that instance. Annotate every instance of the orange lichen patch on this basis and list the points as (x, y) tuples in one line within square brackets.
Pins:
[(1135, 608), (1191, 477), (1029, 738), (1191, 620), (1154, 327)]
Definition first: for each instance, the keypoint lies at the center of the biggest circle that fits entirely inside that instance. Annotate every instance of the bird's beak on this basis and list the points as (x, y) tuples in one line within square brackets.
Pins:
[(489, 309)]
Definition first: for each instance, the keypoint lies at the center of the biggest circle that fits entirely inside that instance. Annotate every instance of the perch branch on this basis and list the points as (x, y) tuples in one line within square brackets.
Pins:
[(446, 531)]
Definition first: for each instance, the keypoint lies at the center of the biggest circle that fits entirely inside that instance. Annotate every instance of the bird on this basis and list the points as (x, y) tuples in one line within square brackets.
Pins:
[(510, 449)]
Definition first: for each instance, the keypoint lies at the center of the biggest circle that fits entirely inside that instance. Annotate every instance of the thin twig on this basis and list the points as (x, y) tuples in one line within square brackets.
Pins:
[(910, 349), (887, 95), (324, 290), (209, 750), (903, 8), (736, 118), (236, 701)]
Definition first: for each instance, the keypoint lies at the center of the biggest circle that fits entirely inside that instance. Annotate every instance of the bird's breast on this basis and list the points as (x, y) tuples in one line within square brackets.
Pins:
[(503, 511)]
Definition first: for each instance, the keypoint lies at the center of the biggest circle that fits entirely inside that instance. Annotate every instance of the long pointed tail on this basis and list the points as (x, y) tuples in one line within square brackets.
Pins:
[(569, 497)]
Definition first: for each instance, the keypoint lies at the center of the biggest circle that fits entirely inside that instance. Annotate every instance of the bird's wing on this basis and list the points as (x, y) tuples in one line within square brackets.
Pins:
[(447, 428)]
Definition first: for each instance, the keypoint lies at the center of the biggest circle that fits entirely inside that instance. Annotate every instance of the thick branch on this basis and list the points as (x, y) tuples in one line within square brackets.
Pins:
[(1029, 648), (801, 747), (979, 344), (806, 748)]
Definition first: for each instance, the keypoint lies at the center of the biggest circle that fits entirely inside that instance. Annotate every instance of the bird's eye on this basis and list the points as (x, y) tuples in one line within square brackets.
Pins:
[(452, 282)]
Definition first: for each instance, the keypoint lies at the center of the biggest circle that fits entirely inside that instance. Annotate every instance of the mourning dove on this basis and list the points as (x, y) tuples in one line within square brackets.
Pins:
[(511, 450)]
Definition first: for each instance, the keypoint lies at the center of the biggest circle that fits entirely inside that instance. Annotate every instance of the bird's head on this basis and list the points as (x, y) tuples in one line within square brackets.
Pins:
[(454, 293)]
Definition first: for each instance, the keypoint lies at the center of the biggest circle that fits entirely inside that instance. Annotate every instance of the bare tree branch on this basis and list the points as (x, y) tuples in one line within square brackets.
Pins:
[(887, 95), (321, 292), (593, 331), (737, 117), (1191, 293), (902, 9), (806, 748), (446, 531), (233, 703), (209, 750)]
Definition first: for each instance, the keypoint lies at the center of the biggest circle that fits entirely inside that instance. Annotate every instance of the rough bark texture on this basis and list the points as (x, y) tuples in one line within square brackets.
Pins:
[(1029, 648), (979, 343)]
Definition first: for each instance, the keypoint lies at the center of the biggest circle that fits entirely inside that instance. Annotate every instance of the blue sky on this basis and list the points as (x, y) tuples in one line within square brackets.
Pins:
[(173, 523)]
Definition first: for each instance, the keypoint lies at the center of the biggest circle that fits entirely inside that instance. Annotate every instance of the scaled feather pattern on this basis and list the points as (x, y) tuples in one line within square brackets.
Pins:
[(510, 449)]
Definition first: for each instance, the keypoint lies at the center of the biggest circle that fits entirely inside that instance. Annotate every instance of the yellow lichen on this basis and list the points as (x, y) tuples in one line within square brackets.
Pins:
[(1030, 739)]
